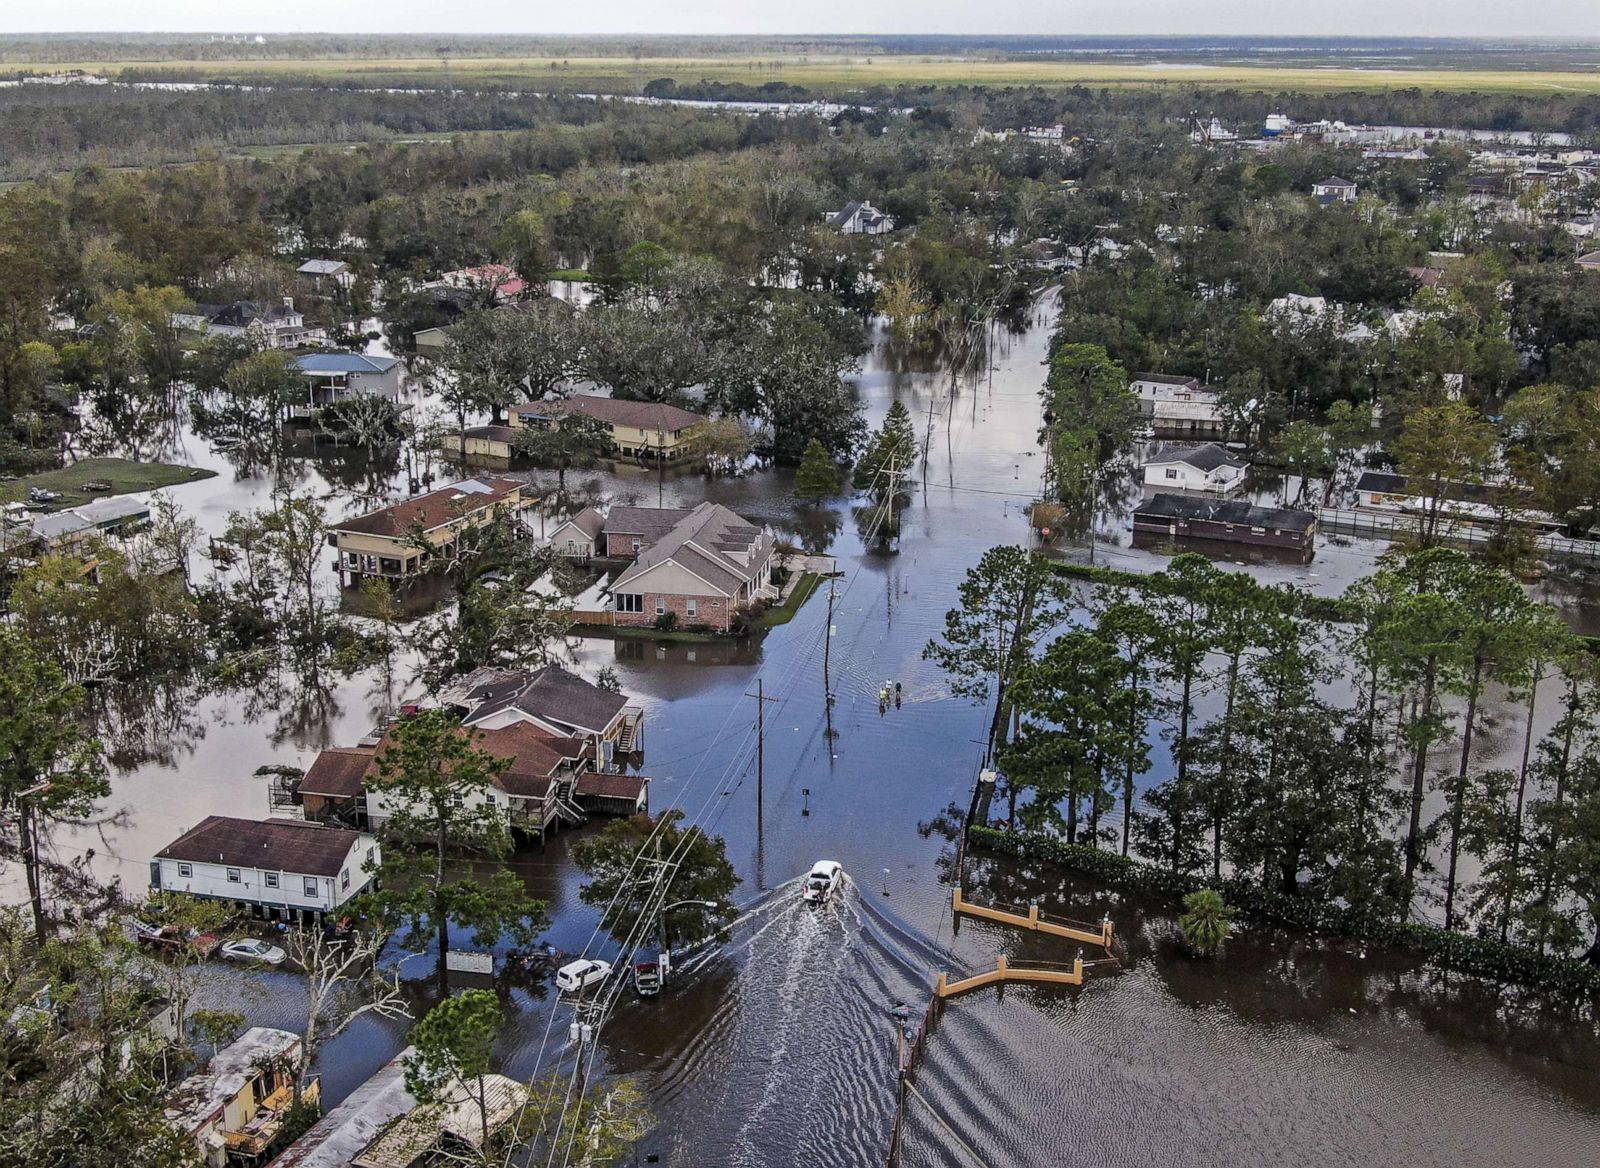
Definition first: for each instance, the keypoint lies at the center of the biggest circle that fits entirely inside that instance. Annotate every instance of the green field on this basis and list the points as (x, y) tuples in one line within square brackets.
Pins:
[(840, 74), (124, 476)]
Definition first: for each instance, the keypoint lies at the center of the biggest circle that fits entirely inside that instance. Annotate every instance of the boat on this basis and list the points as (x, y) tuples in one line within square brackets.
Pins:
[(820, 882)]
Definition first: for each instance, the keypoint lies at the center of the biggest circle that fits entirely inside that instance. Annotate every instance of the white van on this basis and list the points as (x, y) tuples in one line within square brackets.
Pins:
[(576, 975)]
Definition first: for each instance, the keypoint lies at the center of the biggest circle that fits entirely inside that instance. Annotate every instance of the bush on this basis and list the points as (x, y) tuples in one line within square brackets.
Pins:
[(1461, 952), (667, 621)]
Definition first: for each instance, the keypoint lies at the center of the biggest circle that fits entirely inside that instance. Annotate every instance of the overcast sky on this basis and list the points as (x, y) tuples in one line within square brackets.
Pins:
[(1527, 18)]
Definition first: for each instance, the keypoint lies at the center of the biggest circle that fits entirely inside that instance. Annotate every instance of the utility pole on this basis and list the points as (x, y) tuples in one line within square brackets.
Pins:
[(661, 467), (761, 777)]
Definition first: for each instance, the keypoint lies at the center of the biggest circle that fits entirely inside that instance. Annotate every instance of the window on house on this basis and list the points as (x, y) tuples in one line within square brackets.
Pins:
[(310, 886), (1258, 531), (630, 602), (185, 870), (270, 879), (344, 878), (692, 608), (233, 875), (1172, 473), (369, 857), (661, 605), (489, 799)]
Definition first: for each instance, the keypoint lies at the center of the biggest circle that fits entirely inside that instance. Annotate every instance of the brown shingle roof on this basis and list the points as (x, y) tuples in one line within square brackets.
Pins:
[(338, 772), (590, 522), (534, 756), (616, 412), (288, 845), (706, 542), (609, 786), (649, 523), (434, 509)]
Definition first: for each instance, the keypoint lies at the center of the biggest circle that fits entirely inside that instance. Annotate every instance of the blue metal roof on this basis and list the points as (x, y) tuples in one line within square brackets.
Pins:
[(344, 363)]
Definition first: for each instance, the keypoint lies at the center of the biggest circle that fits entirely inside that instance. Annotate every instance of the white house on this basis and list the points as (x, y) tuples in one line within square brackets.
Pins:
[(1296, 309), (332, 377), (1179, 406), (1207, 467), (859, 217), (270, 326), (321, 272), (1334, 190), (281, 869)]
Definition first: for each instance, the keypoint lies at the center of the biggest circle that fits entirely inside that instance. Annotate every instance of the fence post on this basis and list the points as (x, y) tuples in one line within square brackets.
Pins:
[(1077, 968), (1033, 914), (943, 981), (1000, 966)]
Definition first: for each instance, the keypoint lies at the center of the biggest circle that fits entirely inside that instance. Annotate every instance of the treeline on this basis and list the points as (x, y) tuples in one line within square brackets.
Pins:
[(1300, 755), (46, 128), (167, 46)]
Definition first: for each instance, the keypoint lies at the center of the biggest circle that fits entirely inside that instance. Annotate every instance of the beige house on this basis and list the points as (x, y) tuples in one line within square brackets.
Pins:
[(579, 537), (400, 541), (638, 429)]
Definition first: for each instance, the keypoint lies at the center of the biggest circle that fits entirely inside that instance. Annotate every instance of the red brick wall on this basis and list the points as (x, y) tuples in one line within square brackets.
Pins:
[(620, 545), (713, 611)]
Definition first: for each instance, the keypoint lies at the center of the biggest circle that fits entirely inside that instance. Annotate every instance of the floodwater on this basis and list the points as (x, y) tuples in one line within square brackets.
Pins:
[(778, 1049)]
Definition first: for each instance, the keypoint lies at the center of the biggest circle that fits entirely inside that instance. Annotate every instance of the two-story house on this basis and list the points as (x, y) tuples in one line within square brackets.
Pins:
[(1334, 190), (553, 699), (280, 869), (267, 326), (534, 795), (701, 569), (1179, 407), (334, 377), (401, 540), (859, 217), (335, 272), (233, 1112)]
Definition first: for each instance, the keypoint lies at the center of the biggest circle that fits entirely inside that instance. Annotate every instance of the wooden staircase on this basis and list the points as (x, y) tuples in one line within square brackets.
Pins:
[(566, 804)]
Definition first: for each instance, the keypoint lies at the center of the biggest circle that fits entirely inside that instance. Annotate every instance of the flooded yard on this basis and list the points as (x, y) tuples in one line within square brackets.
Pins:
[(778, 1049)]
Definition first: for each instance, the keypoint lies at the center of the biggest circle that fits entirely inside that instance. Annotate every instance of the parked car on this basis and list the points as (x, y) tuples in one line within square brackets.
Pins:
[(576, 975), (822, 880), (251, 950), (171, 939)]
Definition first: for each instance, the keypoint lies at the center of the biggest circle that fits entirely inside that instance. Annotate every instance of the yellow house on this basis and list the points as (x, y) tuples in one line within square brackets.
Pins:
[(638, 429), (400, 541), (234, 1111)]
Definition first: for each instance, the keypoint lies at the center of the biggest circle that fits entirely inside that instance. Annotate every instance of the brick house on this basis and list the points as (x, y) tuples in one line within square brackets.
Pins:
[(627, 531), (702, 568)]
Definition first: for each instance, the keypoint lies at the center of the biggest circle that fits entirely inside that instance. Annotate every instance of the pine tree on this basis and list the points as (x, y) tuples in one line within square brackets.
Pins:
[(818, 477), (889, 454)]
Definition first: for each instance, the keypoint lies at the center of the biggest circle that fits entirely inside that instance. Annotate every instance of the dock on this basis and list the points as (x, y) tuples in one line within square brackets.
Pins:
[(1031, 919), (1036, 921)]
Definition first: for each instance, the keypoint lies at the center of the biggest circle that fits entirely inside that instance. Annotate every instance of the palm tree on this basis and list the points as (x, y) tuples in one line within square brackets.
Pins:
[(1206, 921)]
